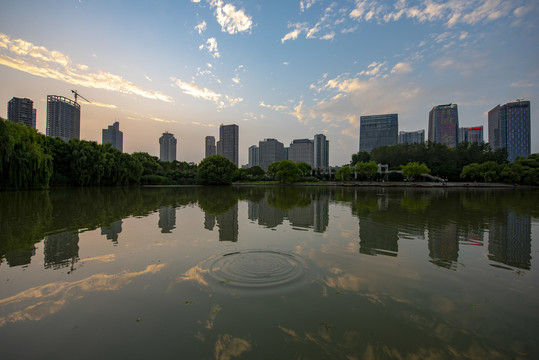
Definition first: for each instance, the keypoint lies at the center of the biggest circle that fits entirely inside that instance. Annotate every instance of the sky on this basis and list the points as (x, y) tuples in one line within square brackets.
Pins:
[(283, 69)]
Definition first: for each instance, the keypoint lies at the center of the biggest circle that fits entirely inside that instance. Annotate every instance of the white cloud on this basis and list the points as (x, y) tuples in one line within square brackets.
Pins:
[(304, 5), (273, 107), (148, 78), (293, 35), (402, 68), (206, 94), (231, 20), (522, 84), (201, 27), (329, 36), (211, 46), (39, 61)]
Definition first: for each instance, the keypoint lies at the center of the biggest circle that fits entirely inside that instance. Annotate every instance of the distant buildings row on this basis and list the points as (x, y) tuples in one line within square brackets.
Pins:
[(509, 127)]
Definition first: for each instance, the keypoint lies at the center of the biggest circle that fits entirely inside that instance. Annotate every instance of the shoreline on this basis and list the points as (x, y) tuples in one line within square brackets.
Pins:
[(396, 184)]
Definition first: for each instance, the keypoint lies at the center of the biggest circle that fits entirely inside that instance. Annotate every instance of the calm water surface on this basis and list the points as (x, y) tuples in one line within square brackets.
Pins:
[(269, 273)]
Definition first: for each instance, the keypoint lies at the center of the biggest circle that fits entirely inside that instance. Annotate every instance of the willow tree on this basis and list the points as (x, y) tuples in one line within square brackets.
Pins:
[(24, 161)]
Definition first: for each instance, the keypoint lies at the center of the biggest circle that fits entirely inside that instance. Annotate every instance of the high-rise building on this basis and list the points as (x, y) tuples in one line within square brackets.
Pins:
[(378, 130), (269, 151), (444, 125), (167, 147), (253, 156), (210, 146), (112, 135), (302, 150), (63, 118), (21, 111), (227, 145), (471, 134), (321, 152), (412, 137), (509, 128)]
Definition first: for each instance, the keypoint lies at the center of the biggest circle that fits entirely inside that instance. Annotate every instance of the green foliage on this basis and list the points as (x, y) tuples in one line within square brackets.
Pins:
[(442, 161), (216, 170), (343, 174), (255, 173), (362, 156), (522, 171), (284, 171), (366, 170), (304, 168), (24, 161), (414, 169)]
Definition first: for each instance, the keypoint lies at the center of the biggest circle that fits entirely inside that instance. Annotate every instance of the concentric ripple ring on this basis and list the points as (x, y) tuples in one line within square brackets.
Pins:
[(256, 269)]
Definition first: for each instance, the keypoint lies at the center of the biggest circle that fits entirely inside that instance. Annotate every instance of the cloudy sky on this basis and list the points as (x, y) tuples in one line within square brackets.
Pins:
[(284, 69)]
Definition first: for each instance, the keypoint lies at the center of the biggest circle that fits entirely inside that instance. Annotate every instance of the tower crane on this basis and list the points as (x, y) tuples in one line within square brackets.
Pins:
[(79, 95)]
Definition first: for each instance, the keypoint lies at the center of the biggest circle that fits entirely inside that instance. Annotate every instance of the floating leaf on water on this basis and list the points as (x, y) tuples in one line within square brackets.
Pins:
[(139, 319), (188, 303), (218, 308)]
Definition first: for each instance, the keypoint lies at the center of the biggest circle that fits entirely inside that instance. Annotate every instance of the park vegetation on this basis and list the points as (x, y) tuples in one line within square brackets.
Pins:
[(30, 160)]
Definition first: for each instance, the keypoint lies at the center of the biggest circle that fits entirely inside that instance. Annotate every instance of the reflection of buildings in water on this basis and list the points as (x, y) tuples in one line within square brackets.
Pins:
[(321, 214), (209, 221), (61, 250), (301, 217), (472, 237), (443, 245), (20, 257), (112, 231), (510, 242), (269, 216), (253, 210), (315, 215), (228, 224), (377, 239), (167, 219)]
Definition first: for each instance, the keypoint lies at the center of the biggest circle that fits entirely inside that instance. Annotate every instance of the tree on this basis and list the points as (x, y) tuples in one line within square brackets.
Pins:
[(361, 156), (343, 174), (255, 172), (304, 168), (216, 170), (413, 169), (366, 169), (286, 171)]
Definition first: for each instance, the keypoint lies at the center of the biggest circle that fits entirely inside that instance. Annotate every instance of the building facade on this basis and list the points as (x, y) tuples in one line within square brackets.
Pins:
[(378, 130), (63, 118), (227, 145), (509, 127), (444, 125), (269, 151), (112, 135), (471, 134), (302, 150), (21, 111), (321, 152), (412, 137), (210, 148), (167, 147), (253, 156)]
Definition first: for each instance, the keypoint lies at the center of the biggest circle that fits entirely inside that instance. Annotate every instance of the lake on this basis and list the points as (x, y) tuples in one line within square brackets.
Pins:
[(254, 272)]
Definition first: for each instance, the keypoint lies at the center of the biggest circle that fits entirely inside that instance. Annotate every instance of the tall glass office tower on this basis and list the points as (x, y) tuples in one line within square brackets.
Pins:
[(378, 130), (444, 125), (63, 117), (509, 127), (227, 145)]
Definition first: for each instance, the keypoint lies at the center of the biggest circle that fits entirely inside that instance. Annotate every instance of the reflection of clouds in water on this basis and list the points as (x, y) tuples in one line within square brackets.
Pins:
[(356, 345), (196, 274), (228, 347), (38, 302)]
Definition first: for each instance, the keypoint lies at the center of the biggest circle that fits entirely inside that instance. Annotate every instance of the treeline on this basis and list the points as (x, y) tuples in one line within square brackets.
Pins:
[(442, 161), (465, 162), (30, 160)]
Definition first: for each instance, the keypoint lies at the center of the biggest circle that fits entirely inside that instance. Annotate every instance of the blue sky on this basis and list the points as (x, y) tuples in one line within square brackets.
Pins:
[(278, 69)]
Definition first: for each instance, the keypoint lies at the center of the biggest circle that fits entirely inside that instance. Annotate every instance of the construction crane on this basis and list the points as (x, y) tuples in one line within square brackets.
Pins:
[(77, 95)]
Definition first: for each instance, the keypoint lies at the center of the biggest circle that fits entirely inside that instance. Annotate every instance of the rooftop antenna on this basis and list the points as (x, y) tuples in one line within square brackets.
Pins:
[(79, 95)]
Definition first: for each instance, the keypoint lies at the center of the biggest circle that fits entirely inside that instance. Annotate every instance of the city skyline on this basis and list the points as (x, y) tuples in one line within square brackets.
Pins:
[(195, 65)]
